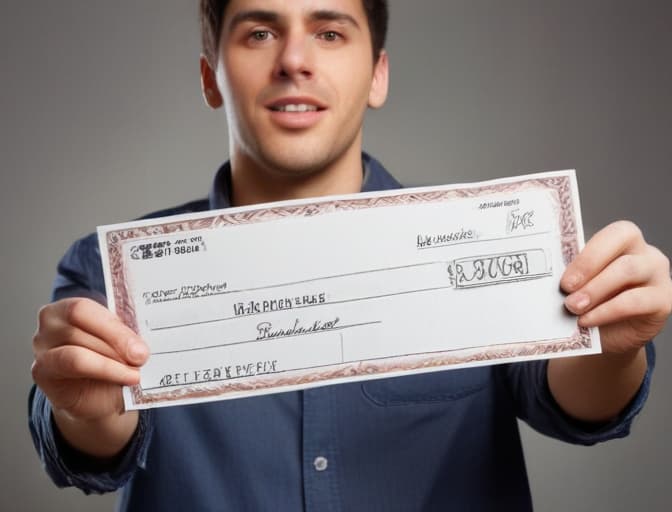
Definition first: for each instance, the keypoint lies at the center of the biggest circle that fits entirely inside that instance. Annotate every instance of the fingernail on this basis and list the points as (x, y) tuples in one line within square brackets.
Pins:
[(137, 351), (579, 301)]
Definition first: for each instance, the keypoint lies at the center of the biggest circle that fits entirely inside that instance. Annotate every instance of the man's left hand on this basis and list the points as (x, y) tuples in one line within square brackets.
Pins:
[(622, 285)]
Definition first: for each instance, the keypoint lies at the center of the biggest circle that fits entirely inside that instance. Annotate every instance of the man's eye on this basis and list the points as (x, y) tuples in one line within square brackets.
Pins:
[(330, 36), (261, 35)]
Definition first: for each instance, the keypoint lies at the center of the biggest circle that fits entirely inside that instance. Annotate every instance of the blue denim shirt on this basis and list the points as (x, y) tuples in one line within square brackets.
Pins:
[(441, 441)]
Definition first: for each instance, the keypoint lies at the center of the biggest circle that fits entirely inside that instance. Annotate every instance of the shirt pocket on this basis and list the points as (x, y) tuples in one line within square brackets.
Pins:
[(440, 386)]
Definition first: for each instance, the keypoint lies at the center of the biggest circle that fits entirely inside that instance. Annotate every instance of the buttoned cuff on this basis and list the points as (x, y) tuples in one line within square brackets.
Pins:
[(68, 467)]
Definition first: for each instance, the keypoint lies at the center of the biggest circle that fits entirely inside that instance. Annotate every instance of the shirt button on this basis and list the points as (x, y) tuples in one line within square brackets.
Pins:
[(320, 463)]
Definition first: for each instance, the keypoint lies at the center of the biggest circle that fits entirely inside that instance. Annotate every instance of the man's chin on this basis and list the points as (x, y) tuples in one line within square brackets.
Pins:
[(297, 163)]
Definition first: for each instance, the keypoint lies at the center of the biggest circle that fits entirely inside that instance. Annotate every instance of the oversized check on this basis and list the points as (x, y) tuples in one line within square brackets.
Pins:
[(290, 295)]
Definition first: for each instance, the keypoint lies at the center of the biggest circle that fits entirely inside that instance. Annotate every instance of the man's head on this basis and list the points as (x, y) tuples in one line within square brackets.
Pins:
[(296, 79)]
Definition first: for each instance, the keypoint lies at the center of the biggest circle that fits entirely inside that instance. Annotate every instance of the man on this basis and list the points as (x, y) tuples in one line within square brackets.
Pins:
[(295, 79)]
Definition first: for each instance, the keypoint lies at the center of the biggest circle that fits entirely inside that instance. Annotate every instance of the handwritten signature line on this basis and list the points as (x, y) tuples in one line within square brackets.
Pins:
[(270, 338)]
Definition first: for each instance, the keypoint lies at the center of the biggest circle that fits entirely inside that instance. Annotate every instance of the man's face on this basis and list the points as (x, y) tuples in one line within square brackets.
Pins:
[(296, 79)]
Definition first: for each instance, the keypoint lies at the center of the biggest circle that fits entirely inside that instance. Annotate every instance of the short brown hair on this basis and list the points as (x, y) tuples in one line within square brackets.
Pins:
[(211, 15)]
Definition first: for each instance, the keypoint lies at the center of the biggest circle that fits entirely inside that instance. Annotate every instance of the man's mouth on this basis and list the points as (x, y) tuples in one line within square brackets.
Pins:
[(296, 104), (296, 112), (292, 107)]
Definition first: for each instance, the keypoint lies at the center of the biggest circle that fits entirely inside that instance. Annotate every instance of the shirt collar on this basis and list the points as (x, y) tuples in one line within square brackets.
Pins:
[(376, 178)]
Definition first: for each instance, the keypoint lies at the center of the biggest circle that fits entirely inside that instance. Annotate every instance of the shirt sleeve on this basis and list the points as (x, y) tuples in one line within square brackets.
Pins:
[(537, 407), (80, 275)]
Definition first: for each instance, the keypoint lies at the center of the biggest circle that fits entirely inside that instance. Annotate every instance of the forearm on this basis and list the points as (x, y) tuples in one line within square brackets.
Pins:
[(596, 388), (104, 438)]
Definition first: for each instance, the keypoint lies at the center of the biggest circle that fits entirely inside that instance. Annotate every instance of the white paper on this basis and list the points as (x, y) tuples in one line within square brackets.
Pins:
[(291, 295)]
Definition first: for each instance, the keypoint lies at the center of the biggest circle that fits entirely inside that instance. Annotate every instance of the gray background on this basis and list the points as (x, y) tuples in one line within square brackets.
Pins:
[(102, 121)]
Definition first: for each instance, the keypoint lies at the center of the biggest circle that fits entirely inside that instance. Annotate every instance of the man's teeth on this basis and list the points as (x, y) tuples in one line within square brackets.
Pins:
[(296, 108)]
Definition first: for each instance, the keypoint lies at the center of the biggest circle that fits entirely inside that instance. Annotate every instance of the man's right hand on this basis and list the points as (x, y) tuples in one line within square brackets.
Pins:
[(83, 355)]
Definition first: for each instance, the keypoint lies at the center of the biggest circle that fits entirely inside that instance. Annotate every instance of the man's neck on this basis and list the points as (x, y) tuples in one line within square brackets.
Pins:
[(253, 183)]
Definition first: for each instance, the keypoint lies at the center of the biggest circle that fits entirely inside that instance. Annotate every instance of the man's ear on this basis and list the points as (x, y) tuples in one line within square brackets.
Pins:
[(211, 93), (380, 82)]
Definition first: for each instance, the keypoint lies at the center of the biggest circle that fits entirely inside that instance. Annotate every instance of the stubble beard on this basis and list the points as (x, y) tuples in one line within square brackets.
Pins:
[(295, 162)]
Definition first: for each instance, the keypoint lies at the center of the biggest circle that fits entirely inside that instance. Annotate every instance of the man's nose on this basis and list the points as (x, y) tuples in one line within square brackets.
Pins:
[(295, 60)]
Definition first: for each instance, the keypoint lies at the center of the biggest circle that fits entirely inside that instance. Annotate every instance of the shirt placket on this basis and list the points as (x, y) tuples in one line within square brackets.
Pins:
[(320, 451)]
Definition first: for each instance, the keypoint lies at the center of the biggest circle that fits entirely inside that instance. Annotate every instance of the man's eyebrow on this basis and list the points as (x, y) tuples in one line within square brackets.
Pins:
[(326, 15), (253, 15), (259, 15)]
